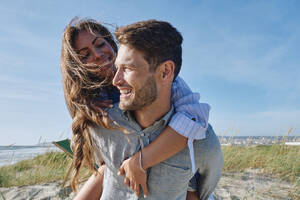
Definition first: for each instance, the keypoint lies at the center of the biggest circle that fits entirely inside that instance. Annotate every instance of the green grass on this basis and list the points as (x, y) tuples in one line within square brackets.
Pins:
[(279, 160), (48, 167)]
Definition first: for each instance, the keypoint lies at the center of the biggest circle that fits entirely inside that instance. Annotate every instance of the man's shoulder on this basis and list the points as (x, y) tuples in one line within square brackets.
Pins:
[(118, 117), (115, 116), (115, 113)]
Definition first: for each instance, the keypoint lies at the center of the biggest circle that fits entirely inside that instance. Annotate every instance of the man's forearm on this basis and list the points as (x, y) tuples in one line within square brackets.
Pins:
[(167, 144)]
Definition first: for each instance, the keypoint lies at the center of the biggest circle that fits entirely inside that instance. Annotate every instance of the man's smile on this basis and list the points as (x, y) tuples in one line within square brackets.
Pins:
[(125, 92)]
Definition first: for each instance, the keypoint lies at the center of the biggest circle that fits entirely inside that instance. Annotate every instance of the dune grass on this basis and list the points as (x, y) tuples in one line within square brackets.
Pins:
[(48, 167), (279, 160)]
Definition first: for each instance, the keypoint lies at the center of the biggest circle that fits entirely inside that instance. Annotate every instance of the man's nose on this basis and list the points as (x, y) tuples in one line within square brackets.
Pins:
[(118, 79)]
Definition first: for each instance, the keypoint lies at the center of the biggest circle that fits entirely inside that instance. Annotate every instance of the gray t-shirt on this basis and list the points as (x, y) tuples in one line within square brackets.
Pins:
[(166, 180)]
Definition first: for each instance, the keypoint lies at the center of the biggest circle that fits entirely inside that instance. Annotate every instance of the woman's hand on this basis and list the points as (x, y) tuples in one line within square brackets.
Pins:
[(134, 175)]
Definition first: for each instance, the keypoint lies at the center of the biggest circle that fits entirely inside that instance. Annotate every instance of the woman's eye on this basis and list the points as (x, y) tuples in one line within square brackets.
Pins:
[(100, 45), (85, 56)]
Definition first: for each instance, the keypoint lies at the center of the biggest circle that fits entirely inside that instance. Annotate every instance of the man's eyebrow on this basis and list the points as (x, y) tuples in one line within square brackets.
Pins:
[(130, 65), (126, 65)]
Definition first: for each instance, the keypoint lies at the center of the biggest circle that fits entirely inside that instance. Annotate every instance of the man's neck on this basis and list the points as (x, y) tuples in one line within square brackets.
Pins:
[(149, 114)]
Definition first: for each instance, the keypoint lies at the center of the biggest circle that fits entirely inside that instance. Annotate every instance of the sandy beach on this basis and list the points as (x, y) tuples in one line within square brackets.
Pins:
[(233, 186), (253, 186)]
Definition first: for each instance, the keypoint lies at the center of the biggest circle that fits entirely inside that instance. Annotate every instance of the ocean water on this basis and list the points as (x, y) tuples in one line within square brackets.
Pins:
[(12, 154)]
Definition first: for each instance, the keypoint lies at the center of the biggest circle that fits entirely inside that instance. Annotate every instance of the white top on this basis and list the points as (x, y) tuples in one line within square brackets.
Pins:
[(191, 117)]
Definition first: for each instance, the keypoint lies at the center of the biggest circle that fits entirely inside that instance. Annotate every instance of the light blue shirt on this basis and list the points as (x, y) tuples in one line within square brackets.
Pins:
[(191, 117)]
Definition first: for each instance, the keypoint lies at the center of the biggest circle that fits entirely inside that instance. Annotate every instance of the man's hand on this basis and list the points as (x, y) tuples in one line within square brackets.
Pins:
[(134, 176)]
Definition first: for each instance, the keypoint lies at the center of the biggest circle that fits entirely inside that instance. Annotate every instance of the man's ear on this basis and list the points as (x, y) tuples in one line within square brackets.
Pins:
[(166, 71)]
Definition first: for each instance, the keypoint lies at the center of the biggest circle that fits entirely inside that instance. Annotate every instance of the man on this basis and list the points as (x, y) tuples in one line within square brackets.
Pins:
[(149, 59)]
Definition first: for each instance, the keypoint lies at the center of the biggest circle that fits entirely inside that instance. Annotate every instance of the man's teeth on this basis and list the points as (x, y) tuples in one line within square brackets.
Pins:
[(125, 91)]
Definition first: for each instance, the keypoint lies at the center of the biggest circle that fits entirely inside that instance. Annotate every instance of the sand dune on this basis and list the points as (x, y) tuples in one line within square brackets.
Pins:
[(248, 185)]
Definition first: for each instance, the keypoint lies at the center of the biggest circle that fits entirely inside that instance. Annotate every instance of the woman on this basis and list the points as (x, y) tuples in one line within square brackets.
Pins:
[(88, 52)]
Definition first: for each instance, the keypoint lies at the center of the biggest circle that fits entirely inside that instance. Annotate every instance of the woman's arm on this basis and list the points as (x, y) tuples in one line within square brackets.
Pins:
[(190, 121), (190, 113), (167, 144)]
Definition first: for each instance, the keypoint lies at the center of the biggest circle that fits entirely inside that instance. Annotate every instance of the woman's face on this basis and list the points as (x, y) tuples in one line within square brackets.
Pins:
[(94, 49)]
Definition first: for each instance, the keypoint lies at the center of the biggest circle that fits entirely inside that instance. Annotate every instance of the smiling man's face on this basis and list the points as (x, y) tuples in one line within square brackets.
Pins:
[(135, 81)]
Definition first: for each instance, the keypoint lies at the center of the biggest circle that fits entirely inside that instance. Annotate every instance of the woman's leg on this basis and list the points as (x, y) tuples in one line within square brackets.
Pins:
[(92, 189)]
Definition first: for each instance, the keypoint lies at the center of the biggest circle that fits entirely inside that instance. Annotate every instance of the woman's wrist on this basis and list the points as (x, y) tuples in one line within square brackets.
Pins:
[(145, 162), (140, 161)]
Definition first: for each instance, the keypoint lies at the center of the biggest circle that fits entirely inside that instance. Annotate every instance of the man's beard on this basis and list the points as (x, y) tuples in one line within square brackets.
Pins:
[(146, 95)]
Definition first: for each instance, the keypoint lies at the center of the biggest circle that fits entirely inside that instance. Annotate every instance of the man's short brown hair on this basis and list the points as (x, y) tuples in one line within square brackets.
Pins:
[(158, 41)]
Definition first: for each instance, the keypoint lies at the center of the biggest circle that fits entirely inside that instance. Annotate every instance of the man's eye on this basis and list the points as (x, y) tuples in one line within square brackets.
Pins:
[(126, 69)]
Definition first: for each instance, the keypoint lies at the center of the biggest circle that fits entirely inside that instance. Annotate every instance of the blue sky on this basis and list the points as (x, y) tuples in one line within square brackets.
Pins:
[(242, 56)]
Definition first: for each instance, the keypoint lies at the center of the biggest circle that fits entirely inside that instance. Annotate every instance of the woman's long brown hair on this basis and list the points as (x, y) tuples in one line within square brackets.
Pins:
[(81, 86)]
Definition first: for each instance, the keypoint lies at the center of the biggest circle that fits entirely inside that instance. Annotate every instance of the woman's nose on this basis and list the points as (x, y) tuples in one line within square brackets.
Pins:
[(98, 55)]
